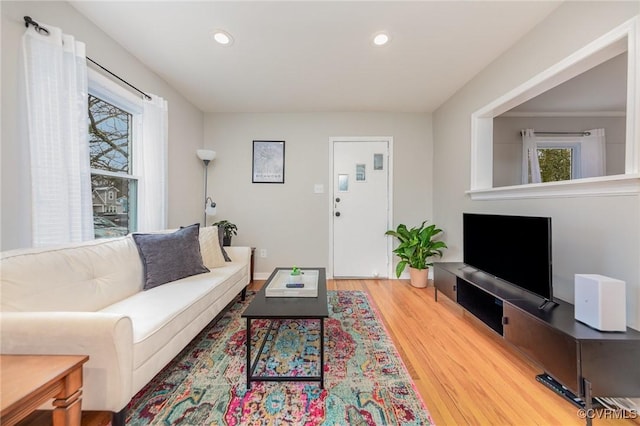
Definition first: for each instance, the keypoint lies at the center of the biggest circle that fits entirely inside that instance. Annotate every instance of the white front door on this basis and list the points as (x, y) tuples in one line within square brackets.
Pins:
[(361, 207)]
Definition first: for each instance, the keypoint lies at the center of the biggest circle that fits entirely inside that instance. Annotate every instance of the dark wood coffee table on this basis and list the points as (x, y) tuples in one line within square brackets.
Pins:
[(279, 308)]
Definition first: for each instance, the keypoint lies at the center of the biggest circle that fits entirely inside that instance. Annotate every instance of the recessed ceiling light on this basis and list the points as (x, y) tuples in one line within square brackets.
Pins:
[(222, 37), (381, 38)]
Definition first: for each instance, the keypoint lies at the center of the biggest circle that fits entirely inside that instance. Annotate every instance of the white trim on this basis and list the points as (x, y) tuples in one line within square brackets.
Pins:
[(596, 52), (114, 174), (565, 114), (600, 186), (481, 152), (389, 141), (261, 276), (632, 147), (112, 92)]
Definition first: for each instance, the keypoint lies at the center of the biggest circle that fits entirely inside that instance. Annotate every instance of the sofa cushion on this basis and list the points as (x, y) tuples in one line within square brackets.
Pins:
[(210, 248), (82, 277), (162, 312), (170, 257)]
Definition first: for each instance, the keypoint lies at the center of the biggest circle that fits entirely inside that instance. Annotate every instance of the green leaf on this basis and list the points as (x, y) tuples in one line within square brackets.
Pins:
[(416, 245), (400, 268)]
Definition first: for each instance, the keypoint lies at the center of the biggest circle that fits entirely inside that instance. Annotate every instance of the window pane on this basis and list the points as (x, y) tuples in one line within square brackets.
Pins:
[(109, 136), (343, 183), (113, 206), (378, 160), (555, 164)]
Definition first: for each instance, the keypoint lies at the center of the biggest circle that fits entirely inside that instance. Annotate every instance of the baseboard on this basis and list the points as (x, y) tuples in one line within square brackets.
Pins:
[(263, 276)]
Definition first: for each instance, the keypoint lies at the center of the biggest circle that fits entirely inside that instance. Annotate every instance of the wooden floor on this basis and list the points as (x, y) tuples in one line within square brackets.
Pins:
[(464, 372)]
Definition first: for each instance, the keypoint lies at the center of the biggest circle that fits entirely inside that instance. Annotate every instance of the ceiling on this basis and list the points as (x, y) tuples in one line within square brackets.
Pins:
[(311, 56)]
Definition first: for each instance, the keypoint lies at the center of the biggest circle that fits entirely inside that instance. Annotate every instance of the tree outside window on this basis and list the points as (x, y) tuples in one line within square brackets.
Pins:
[(113, 187), (556, 164)]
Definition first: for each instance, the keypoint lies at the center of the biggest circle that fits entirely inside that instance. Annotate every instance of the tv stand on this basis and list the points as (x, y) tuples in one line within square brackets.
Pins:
[(547, 303), (469, 267), (587, 362)]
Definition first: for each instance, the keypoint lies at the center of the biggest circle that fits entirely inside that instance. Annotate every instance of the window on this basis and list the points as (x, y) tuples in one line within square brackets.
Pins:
[(559, 162), (112, 136), (564, 158)]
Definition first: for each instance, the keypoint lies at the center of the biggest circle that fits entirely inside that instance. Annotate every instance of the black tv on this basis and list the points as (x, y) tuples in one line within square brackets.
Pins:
[(516, 249)]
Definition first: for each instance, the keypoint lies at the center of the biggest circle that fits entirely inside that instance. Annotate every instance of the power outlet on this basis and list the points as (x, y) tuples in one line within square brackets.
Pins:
[(263, 252)]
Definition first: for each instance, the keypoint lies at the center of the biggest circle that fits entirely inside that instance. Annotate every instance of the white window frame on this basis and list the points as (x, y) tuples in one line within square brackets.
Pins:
[(625, 37), (111, 92)]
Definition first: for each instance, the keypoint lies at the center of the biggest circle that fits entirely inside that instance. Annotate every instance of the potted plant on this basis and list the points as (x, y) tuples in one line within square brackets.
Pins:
[(417, 246), (295, 276), (228, 230)]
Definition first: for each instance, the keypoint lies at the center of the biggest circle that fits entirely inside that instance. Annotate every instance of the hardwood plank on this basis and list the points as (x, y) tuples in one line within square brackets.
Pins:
[(465, 372)]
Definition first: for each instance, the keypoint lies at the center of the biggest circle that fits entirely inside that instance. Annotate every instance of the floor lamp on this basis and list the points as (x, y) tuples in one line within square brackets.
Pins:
[(206, 155)]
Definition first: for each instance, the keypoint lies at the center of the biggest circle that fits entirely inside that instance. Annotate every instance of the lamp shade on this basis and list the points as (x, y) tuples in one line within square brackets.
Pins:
[(206, 154), (210, 210)]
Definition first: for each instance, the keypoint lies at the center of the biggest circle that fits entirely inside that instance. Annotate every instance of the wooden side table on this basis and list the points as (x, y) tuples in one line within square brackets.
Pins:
[(28, 381)]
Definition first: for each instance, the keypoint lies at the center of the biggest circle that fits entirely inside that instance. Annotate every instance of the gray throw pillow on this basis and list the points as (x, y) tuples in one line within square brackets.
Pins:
[(220, 239), (170, 257)]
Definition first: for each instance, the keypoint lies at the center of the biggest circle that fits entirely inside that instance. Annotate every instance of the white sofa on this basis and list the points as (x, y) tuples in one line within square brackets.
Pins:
[(88, 298)]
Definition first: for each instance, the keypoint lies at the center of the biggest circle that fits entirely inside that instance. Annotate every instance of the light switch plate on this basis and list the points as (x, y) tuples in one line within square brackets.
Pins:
[(318, 188)]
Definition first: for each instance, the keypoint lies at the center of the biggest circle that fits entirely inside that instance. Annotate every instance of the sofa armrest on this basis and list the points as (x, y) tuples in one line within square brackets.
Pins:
[(238, 253), (106, 338), (241, 254)]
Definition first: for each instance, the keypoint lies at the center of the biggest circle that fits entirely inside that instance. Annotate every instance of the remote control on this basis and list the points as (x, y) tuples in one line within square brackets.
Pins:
[(295, 285)]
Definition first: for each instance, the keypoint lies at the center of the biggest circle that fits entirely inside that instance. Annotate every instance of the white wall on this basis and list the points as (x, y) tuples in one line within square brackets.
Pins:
[(290, 220), (185, 120), (590, 234)]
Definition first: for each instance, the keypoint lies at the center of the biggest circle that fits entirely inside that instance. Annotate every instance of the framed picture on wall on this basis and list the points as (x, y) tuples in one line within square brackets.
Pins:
[(268, 162)]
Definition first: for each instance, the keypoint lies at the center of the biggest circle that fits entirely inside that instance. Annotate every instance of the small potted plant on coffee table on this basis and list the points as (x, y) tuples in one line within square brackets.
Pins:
[(295, 276)]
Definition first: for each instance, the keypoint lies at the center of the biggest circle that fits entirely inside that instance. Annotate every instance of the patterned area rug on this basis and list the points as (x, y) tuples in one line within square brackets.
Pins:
[(366, 382)]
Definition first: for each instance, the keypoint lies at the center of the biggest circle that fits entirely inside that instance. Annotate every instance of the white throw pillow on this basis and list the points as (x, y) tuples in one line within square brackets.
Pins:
[(212, 256)]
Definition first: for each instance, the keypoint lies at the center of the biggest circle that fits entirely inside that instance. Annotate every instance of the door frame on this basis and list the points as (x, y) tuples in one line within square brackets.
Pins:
[(389, 140)]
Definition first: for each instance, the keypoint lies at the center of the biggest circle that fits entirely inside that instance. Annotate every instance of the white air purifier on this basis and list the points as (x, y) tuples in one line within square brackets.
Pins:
[(600, 302)]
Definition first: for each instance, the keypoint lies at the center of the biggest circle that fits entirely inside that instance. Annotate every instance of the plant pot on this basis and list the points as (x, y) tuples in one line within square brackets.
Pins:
[(419, 277), (295, 279), (226, 241)]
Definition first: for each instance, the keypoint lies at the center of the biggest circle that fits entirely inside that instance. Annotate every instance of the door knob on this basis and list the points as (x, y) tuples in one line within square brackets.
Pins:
[(338, 200), (337, 213)]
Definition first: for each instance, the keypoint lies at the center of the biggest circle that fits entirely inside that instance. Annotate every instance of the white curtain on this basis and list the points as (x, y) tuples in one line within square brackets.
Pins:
[(152, 166), (530, 164), (56, 101), (589, 149), (592, 154)]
